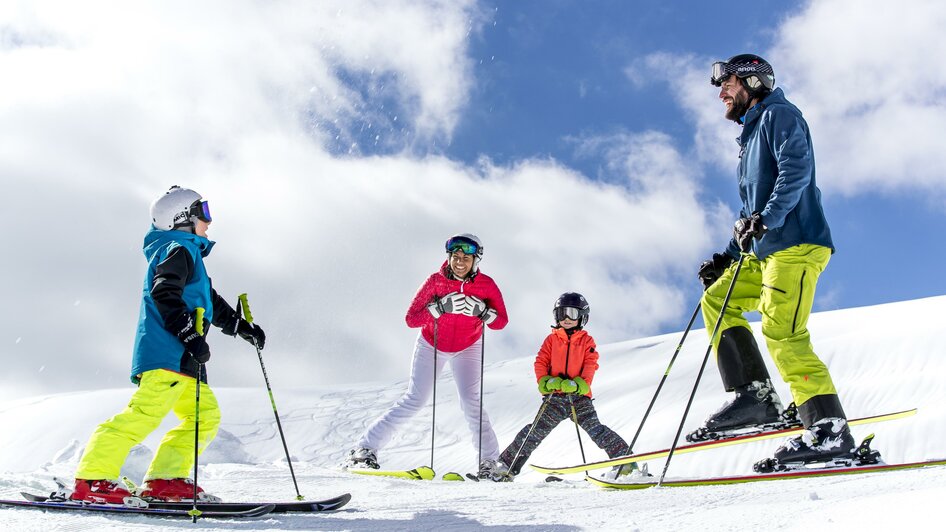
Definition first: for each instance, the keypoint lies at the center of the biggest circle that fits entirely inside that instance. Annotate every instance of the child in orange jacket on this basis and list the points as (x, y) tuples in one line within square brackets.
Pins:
[(564, 369)]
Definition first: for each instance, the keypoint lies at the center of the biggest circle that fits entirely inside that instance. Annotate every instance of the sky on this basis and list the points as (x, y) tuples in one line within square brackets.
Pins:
[(341, 143)]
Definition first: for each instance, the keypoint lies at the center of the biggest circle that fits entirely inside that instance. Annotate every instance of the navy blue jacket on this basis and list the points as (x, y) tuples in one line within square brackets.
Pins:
[(777, 178)]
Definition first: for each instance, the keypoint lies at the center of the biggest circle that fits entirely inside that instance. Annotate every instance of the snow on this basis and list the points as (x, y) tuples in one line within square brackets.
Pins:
[(883, 358)]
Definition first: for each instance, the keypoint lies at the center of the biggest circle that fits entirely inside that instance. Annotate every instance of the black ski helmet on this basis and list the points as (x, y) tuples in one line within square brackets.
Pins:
[(757, 74), (571, 300)]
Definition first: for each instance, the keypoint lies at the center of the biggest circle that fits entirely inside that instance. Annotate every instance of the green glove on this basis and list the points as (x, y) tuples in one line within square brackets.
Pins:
[(542, 385), (583, 388), (569, 386), (554, 384)]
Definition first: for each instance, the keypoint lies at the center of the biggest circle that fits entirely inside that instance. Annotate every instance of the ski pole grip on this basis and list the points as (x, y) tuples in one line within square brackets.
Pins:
[(199, 320), (245, 305)]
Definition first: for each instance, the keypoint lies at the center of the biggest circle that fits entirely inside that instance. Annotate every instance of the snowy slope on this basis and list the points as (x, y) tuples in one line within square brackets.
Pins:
[(883, 358)]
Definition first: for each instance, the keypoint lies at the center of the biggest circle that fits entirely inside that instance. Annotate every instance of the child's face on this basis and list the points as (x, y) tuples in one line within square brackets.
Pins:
[(568, 323), (200, 228)]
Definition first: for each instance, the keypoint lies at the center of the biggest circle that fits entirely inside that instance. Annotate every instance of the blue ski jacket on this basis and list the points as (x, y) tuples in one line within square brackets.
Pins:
[(777, 178), (155, 346)]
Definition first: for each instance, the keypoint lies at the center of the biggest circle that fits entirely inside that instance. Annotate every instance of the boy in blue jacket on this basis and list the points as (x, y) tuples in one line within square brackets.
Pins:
[(169, 354)]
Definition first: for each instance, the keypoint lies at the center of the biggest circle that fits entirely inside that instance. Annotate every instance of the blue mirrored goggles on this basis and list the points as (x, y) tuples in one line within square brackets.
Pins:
[(571, 313), (463, 244), (200, 210)]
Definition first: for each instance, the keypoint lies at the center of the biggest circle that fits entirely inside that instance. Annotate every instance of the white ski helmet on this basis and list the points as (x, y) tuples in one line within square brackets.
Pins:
[(178, 207), (467, 243)]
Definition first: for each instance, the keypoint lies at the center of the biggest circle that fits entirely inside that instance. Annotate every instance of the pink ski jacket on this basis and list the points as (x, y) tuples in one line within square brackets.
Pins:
[(455, 332)]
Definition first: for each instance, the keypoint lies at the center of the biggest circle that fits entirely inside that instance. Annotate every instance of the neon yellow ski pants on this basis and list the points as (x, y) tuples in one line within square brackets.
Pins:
[(782, 288), (159, 392)]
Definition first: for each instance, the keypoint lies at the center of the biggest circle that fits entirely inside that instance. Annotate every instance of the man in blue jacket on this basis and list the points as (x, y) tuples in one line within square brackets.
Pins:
[(786, 241)]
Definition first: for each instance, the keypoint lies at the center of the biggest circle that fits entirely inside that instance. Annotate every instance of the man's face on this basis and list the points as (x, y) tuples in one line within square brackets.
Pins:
[(735, 97)]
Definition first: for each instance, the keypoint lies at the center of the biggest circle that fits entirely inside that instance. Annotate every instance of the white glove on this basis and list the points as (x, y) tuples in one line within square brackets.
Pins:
[(452, 303), (489, 316), (474, 306)]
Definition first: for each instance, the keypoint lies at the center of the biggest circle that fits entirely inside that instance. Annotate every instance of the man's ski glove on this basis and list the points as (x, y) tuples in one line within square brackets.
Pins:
[(713, 269), (194, 343), (542, 382), (554, 384), (583, 388), (452, 303), (248, 331), (746, 229), (569, 386)]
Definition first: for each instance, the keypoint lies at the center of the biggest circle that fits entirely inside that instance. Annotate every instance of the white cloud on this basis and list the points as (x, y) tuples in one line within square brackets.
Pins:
[(868, 77), (107, 104), (865, 76)]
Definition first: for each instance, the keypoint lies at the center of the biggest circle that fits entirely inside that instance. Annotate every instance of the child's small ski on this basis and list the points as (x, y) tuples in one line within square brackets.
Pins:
[(325, 505), (135, 509), (420, 473)]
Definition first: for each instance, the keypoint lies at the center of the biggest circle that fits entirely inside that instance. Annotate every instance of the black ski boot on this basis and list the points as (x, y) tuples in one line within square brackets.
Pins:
[(756, 404), (825, 440)]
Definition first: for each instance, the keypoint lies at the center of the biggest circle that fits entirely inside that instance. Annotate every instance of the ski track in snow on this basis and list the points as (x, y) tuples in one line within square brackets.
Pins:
[(883, 358)]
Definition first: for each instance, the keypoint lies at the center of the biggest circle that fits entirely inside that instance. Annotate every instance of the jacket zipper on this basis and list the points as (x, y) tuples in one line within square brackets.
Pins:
[(568, 351)]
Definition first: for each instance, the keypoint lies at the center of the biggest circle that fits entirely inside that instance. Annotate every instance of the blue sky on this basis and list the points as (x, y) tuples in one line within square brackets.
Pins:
[(549, 71), (340, 143)]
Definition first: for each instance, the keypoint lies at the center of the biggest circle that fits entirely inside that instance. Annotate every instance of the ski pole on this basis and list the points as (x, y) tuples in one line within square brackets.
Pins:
[(245, 307), (630, 448), (479, 450), (538, 416), (199, 325), (571, 402), (709, 349), (433, 415)]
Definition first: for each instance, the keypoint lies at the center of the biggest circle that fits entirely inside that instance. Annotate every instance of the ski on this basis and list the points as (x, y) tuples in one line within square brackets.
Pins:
[(705, 445), (256, 511), (325, 505), (742, 479), (421, 473)]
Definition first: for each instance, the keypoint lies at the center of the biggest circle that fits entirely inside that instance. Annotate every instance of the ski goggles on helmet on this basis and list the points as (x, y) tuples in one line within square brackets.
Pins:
[(200, 210), (571, 313), (461, 243), (722, 70)]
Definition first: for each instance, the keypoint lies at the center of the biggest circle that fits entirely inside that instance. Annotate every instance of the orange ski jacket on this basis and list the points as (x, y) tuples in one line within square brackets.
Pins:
[(564, 356)]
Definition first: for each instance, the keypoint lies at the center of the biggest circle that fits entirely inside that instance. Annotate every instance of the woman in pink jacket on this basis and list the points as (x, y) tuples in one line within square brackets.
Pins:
[(451, 308)]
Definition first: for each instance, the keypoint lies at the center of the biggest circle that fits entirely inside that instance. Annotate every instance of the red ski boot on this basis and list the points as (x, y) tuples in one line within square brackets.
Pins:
[(99, 491), (173, 490)]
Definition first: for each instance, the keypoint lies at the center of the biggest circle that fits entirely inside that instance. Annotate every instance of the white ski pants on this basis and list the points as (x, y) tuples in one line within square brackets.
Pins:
[(466, 371)]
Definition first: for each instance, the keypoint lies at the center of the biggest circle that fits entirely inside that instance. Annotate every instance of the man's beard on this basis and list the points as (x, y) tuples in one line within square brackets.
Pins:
[(740, 104)]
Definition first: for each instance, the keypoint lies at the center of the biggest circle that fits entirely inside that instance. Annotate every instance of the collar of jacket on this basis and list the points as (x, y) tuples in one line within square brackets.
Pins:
[(562, 335), (157, 236), (448, 273)]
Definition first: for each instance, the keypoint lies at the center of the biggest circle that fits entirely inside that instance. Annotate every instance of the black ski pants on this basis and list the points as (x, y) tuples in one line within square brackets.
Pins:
[(558, 409)]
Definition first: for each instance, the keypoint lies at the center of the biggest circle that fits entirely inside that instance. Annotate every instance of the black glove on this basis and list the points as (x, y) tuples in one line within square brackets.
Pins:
[(746, 229), (246, 330), (251, 332), (194, 343), (712, 269)]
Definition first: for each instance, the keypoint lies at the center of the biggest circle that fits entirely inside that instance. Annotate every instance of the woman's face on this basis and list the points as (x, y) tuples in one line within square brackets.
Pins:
[(461, 264)]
